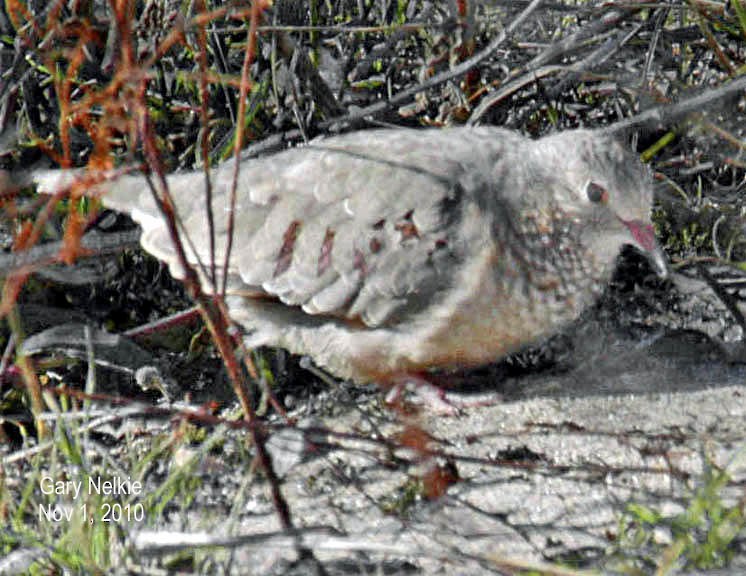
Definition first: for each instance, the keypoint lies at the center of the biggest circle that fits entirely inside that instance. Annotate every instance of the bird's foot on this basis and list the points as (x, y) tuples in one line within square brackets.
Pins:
[(435, 398)]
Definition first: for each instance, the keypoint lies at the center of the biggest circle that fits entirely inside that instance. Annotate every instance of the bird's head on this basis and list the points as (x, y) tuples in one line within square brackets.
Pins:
[(605, 189)]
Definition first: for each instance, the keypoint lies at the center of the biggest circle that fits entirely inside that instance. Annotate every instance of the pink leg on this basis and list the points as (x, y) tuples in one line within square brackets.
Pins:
[(437, 399)]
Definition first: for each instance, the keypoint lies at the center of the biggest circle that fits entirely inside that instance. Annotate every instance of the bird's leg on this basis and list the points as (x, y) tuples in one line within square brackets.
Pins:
[(429, 394)]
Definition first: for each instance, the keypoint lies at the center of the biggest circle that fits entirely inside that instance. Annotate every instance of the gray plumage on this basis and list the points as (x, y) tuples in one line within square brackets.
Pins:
[(387, 251)]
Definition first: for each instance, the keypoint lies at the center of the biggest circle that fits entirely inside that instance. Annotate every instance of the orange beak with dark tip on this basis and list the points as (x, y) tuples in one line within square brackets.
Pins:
[(644, 236)]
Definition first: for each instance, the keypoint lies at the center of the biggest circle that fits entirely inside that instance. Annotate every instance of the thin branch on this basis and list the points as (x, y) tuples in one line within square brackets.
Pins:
[(204, 142), (668, 113), (45, 254), (438, 79)]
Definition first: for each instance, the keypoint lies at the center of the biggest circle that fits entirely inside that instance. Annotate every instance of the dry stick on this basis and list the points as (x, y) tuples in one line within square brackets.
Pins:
[(7, 353), (42, 255), (660, 19), (724, 296), (661, 114), (668, 113), (610, 20), (732, 139), (530, 72), (205, 143), (213, 312), (713, 44), (157, 326), (511, 88), (321, 537), (342, 29), (238, 141), (213, 316), (601, 54), (244, 86), (28, 374), (305, 70), (438, 79), (276, 142), (222, 340)]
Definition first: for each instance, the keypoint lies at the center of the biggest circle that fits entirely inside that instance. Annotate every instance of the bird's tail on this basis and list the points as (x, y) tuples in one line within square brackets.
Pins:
[(121, 192), (132, 195), (127, 193)]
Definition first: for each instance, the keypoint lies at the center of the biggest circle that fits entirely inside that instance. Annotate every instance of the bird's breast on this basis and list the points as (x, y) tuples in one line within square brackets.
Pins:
[(499, 304)]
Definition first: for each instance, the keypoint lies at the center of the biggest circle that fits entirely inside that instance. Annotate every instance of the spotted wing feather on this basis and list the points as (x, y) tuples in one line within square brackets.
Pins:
[(359, 226)]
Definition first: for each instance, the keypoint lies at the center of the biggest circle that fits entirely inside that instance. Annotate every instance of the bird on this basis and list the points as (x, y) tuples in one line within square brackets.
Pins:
[(395, 251)]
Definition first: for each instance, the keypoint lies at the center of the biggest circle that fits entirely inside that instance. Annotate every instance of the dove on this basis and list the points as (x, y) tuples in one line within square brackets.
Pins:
[(393, 251)]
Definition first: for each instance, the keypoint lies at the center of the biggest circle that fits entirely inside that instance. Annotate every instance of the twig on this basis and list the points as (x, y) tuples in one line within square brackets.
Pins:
[(438, 79), (611, 19), (204, 141), (667, 113), (319, 538), (47, 253), (724, 296)]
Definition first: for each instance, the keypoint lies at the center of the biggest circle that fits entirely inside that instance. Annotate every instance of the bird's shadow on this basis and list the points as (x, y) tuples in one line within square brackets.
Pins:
[(603, 362)]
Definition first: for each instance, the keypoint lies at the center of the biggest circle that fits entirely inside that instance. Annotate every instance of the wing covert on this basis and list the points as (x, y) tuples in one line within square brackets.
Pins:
[(360, 226)]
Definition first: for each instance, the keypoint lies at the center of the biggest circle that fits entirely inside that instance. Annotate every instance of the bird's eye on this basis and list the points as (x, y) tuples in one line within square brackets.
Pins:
[(597, 193)]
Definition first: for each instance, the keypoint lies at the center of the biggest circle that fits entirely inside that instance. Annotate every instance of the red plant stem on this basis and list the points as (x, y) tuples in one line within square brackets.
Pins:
[(212, 308), (205, 141)]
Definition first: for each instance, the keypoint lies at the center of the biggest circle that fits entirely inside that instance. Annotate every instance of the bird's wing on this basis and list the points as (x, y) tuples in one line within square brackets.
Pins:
[(367, 226)]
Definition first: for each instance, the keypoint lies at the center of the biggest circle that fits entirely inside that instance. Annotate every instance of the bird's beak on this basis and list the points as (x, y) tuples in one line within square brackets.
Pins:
[(644, 237)]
